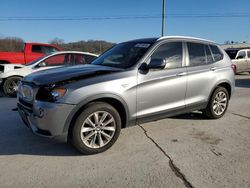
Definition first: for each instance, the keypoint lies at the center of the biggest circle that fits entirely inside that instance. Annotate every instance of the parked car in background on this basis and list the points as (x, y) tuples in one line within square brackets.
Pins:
[(242, 61), (11, 74), (30, 52), (133, 82)]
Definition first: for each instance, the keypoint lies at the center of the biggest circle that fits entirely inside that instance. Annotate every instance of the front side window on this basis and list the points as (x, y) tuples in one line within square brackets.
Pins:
[(171, 52), (81, 59), (197, 54), (123, 55), (241, 54)]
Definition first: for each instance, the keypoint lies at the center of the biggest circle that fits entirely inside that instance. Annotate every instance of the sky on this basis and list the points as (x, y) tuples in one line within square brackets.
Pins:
[(121, 20)]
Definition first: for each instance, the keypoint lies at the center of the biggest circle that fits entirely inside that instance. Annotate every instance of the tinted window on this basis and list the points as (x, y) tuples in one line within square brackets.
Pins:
[(80, 59), (59, 60), (248, 54), (170, 52), (36, 49), (216, 53), (89, 58), (197, 54)]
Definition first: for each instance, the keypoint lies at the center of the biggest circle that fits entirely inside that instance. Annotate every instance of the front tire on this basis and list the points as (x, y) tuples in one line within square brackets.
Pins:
[(218, 104), (96, 129), (10, 86)]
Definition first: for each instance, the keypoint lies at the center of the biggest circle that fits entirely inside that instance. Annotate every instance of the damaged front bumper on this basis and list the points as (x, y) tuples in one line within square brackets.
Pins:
[(45, 119)]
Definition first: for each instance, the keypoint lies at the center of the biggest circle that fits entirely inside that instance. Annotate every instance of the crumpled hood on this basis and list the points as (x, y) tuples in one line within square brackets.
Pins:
[(10, 67), (55, 75)]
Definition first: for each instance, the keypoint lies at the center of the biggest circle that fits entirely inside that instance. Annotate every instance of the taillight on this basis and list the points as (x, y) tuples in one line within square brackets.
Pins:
[(233, 66)]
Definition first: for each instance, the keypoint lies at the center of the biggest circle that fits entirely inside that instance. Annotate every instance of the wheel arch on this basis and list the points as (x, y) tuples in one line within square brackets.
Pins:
[(224, 84), (116, 101)]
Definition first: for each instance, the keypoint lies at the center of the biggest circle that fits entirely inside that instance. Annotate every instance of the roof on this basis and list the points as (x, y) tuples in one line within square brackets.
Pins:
[(185, 38), (78, 52), (152, 40)]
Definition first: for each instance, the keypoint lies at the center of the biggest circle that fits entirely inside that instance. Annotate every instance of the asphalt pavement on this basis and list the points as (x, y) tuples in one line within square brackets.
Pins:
[(182, 151)]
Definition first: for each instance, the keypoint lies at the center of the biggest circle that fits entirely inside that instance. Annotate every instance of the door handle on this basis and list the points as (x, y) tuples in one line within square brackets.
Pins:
[(213, 68), (181, 74)]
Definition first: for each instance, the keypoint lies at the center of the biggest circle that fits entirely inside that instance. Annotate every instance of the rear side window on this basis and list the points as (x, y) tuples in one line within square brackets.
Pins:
[(197, 54), (216, 53), (59, 60), (171, 52), (36, 49)]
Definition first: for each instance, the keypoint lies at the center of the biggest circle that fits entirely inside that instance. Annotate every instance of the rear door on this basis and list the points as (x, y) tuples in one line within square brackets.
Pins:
[(201, 73), (163, 91)]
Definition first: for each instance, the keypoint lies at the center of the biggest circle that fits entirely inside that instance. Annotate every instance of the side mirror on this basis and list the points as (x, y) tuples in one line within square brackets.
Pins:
[(156, 64), (240, 57), (42, 64)]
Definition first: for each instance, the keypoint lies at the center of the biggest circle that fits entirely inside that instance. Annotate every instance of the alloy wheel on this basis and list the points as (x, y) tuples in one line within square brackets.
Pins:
[(98, 129)]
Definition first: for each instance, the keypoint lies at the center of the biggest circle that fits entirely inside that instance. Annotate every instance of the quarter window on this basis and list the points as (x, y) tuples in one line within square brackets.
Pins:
[(171, 52), (216, 53)]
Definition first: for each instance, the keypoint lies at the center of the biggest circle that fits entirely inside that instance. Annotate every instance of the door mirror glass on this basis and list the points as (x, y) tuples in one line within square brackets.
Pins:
[(156, 64)]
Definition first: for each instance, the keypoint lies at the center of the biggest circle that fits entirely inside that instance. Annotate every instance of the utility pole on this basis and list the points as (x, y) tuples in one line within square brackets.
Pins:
[(163, 18)]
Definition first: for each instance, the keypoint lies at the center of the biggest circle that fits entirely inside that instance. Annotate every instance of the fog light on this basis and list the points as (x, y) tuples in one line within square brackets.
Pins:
[(41, 112)]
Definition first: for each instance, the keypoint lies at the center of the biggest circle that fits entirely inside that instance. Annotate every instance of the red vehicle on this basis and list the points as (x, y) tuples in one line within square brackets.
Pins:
[(30, 52)]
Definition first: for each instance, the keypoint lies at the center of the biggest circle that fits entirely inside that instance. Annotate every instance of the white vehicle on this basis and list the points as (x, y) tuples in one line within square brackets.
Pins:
[(11, 74), (242, 61)]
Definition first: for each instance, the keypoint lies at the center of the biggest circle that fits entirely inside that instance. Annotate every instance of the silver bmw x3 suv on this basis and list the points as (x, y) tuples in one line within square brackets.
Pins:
[(133, 82)]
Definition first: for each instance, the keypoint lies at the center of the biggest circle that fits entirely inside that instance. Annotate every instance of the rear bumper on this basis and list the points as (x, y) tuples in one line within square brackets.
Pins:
[(46, 119)]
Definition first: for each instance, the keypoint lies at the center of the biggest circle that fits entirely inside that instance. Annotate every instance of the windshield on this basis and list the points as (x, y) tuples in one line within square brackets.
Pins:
[(123, 55), (34, 62)]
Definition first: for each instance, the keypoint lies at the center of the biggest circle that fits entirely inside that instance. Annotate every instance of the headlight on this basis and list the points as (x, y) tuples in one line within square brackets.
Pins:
[(25, 92), (49, 94), (58, 93)]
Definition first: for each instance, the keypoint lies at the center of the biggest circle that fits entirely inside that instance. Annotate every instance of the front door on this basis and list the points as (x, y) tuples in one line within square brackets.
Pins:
[(163, 91)]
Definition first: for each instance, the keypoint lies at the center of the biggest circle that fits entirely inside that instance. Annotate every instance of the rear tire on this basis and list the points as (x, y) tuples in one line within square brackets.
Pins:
[(217, 104), (96, 129), (10, 86)]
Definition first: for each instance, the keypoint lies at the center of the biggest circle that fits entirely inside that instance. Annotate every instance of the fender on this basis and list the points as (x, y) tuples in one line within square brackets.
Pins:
[(90, 99)]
